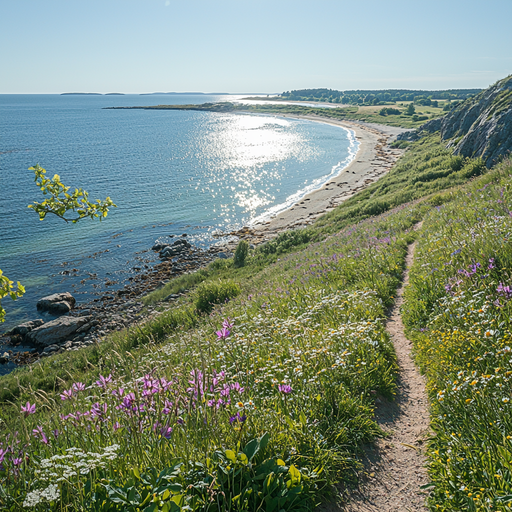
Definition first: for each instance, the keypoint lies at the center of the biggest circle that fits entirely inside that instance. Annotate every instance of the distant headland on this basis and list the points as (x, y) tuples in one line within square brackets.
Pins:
[(92, 94)]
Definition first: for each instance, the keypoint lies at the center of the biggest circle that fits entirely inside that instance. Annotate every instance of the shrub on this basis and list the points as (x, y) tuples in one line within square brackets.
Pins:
[(242, 250), (209, 294)]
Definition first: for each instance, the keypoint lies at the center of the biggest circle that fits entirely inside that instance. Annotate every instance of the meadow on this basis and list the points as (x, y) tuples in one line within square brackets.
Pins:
[(458, 311), (257, 390)]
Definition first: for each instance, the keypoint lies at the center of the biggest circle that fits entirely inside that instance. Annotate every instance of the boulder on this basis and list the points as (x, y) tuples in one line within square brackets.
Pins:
[(26, 327), (4, 358), (178, 247), (58, 303), (57, 330), (159, 247)]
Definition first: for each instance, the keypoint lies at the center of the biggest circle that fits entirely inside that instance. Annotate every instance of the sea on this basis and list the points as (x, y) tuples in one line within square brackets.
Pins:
[(170, 173)]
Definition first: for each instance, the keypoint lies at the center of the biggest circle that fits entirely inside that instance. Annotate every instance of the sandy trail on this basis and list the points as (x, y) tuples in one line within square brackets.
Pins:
[(394, 466)]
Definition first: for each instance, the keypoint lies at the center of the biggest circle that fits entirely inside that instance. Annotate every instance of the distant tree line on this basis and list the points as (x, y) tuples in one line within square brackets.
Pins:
[(382, 97)]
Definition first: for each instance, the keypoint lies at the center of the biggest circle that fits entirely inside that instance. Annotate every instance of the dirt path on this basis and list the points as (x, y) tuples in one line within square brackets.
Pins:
[(395, 465)]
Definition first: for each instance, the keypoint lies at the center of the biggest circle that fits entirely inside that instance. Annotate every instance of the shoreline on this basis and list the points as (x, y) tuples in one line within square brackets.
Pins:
[(115, 310), (374, 158)]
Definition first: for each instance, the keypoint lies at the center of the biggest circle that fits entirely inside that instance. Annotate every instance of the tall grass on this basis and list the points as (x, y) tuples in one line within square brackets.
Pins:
[(459, 309), (263, 404)]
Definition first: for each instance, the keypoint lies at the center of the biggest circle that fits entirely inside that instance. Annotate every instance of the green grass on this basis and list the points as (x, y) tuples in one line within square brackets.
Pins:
[(458, 311), (303, 336)]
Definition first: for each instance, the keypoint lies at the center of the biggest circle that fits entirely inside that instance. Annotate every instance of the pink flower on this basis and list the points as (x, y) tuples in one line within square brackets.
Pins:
[(228, 323), (223, 333), (103, 381), (67, 394), (38, 432), (78, 386), (285, 389), (28, 409)]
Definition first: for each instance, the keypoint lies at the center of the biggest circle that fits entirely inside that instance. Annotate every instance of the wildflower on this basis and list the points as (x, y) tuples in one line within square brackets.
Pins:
[(38, 432), (103, 381), (67, 394), (228, 323), (237, 418), (285, 389), (28, 409), (78, 386), (166, 432), (3, 453), (223, 333), (504, 291), (51, 493)]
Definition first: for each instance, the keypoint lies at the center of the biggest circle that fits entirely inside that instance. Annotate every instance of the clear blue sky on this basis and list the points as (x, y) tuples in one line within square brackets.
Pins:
[(132, 46)]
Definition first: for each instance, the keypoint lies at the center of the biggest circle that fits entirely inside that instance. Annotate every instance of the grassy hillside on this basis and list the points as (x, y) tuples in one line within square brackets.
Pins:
[(458, 310), (256, 391)]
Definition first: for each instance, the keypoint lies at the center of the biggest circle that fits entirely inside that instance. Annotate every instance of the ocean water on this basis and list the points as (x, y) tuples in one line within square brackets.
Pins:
[(169, 173)]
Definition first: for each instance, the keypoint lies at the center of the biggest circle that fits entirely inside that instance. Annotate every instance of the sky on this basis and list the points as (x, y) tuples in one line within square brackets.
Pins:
[(251, 46)]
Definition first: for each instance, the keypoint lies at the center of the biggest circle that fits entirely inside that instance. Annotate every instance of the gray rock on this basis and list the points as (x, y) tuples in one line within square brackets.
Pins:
[(481, 126), (26, 327), (4, 358), (58, 303), (51, 348), (159, 247), (223, 255), (57, 330)]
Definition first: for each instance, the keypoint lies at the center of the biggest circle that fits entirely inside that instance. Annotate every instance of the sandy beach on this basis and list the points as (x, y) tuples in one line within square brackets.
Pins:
[(373, 159)]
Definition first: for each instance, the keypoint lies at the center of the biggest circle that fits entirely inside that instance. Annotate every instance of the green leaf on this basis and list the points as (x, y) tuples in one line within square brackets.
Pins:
[(295, 475), (252, 448), (230, 454)]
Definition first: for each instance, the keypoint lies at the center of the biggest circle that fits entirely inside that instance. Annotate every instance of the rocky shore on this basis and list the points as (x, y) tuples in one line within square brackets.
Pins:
[(86, 324)]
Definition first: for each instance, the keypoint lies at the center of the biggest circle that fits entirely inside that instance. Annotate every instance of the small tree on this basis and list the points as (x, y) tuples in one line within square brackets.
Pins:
[(410, 110), (59, 202)]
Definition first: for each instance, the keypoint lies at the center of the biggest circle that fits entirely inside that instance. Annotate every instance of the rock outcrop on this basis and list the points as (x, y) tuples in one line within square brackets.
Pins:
[(57, 330), (57, 304), (24, 328), (481, 126)]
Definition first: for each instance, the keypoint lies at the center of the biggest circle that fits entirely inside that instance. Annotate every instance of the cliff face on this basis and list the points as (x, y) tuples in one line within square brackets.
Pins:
[(480, 126)]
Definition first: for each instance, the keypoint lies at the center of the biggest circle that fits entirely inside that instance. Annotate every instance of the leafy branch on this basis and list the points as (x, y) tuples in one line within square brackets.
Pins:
[(60, 202), (6, 288)]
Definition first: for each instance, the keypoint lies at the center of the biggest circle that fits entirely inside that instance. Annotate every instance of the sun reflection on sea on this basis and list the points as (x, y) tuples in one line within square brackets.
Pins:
[(246, 153)]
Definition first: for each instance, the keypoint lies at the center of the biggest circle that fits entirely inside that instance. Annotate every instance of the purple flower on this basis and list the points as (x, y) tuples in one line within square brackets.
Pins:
[(236, 386), (166, 432), (237, 418), (67, 394), (98, 410), (3, 453), (223, 333), (28, 409), (285, 389), (491, 264), (504, 291), (38, 432), (103, 381), (228, 323), (78, 386)]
